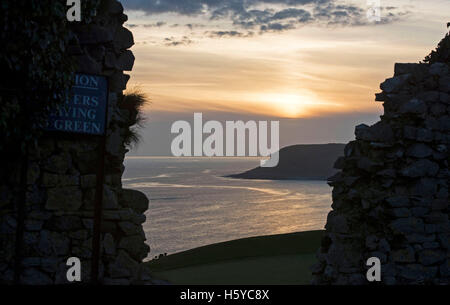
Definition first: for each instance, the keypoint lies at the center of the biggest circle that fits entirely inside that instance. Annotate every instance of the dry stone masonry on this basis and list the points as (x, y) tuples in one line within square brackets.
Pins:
[(61, 180), (391, 196)]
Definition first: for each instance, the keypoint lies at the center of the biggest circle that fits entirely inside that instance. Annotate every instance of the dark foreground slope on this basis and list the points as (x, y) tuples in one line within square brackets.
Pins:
[(307, 162), (263, 260)]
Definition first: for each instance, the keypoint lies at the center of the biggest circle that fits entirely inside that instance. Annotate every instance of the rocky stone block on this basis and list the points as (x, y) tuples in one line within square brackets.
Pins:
[(33, 276), (65, 223), (110, 60), (110, 198), (135, 200), (123, 39), (418, 134), (88, 181), (439, 69), (94, 34), (409, 68), (109, 244), (64, 199), (424, 187), (405, 255), (417, 273), (419, 238), (421, 168), (398, 201), (401, 212), (129, 228), (123, 267), (112, 7), (444, 269), (431, 256), (33, 173), (58, 164), (408, 225), (394, 84), (50, 264), (135, 246), (444, 84), (54, 180), (118, 81), (125, 61), (86, 64), (53, 243), (413, 106), (33, 225)]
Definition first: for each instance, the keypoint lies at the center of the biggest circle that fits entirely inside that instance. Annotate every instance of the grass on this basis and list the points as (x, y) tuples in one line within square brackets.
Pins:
[(134, 100), (275, 259)]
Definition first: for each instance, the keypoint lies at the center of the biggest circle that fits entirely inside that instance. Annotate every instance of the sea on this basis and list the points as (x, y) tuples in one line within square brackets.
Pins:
[(193, 203)]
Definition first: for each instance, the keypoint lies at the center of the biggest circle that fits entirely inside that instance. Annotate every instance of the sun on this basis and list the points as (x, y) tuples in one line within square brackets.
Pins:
[(289, 105)]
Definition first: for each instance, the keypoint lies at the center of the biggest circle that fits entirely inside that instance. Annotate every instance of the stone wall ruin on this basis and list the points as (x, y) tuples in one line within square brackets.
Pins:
[(391, 196), (61, 181)]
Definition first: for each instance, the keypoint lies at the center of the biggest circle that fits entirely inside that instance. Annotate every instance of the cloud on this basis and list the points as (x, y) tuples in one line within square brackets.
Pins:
[(158, 24), (192, 26), (344, 15), (268, 15), (147, 25), (276, 27), (173, 42), (220, 34), (183, 7)]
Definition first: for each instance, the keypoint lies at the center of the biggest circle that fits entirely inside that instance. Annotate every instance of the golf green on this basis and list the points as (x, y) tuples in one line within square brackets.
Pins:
[(275, 259)]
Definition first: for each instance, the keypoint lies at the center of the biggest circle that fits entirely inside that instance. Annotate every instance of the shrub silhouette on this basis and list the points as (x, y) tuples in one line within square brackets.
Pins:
[(134, 100), (442, 52)]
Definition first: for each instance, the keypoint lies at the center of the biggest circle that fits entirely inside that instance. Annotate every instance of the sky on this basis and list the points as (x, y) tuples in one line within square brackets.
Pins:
[(313, 65)]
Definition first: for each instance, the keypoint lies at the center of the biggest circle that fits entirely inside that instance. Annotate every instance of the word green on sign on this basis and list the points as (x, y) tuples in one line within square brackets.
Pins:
[(85, 111)]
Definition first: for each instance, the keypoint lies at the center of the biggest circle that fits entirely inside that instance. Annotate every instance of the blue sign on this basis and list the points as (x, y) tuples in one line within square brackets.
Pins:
[(85, 111)]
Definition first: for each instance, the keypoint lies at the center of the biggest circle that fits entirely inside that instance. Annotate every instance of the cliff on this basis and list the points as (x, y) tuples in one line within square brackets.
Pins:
[(302, 162)]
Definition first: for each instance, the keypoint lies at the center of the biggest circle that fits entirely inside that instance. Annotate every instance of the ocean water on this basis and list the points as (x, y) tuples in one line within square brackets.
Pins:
[(192, 204)]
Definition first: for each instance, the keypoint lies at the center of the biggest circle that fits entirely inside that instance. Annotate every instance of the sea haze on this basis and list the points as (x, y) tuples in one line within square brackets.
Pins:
[(192, 204)]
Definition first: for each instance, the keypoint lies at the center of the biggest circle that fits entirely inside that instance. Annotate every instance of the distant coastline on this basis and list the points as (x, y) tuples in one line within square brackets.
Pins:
[(299, 162)]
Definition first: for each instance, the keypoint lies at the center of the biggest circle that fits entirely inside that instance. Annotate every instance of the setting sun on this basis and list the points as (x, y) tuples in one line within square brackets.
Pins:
[(289, 105)]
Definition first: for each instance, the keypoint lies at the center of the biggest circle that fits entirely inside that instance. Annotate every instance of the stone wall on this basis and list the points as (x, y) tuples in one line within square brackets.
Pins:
[(61, 180), (390, 198)]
